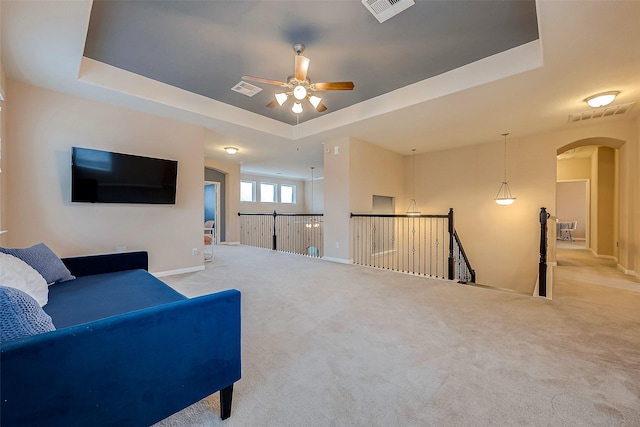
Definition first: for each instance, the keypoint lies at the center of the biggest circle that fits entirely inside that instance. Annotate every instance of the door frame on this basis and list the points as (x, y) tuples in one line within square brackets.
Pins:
[(216, 229)]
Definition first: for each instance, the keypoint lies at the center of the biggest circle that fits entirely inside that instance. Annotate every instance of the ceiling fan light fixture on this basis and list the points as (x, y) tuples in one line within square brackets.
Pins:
[(315, 101), (300, 92), (299, 84), (601, 99), (281, 98)]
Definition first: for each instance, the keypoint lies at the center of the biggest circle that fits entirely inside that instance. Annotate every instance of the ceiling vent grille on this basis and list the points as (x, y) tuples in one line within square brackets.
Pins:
[(246, 88), (385, 9), (596, 113)]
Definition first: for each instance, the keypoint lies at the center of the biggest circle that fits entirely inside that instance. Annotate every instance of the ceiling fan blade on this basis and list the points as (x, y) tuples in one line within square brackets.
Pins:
[(321, 107), (333, 86), (261, 80), (272, 104), (302, 65)]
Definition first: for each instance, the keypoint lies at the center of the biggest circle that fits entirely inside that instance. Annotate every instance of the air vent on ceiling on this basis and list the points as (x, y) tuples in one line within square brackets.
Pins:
[(246, 88), (596, 113), (385, 9)]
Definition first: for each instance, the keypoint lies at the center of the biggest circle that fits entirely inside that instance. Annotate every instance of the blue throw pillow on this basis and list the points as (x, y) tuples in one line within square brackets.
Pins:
[(21, 315), (43, 260)]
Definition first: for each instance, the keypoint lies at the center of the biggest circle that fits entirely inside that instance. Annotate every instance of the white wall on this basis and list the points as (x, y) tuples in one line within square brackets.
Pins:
[(258, 207), (43, 126)]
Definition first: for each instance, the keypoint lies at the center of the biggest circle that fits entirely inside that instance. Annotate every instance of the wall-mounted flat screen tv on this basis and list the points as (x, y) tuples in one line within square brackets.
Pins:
[(105, 177)]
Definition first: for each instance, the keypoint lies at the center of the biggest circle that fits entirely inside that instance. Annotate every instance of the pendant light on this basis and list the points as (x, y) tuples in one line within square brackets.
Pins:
[(504, 196), (413, 206), (314, 223)]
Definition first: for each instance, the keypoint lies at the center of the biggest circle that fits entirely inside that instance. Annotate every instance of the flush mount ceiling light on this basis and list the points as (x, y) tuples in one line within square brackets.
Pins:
[(601, 99), (413, 206), (504, 196), (299, 85), (231, 150)]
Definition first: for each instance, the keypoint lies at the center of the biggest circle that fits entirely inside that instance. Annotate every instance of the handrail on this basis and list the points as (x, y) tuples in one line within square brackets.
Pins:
[(283, 233), (472, 272), (414, 244), (398, 216)]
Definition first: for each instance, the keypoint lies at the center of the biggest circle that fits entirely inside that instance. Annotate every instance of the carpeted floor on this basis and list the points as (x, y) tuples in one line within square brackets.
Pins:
[(328, 344)]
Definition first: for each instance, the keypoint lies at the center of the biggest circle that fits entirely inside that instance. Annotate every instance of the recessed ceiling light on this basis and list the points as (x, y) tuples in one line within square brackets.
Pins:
[(231, 150), (601, 99)]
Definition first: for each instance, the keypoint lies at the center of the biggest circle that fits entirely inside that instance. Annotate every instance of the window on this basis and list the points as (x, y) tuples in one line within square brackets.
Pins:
[(287, 193), (267, 192), (247, 191)]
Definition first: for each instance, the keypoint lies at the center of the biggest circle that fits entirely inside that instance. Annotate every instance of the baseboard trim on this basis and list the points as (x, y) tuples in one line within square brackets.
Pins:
[(178, 271), (338, 260), (597, 255), (628, 272)]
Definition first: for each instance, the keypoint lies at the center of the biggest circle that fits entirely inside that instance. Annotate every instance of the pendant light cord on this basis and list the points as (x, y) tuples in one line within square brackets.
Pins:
[(505, 156), (413, 174)]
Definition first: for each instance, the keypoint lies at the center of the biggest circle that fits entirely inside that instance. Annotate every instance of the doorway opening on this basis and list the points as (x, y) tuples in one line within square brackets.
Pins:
[(215, 205), (572, 211), (212, 210), (587, 188)]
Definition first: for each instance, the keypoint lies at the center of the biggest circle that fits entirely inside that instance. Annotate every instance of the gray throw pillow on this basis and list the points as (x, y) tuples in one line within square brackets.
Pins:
[(43, 260), (21, 315)]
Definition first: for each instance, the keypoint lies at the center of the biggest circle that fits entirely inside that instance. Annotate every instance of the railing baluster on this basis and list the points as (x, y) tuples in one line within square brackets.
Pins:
[(411, 244), (292, 233)]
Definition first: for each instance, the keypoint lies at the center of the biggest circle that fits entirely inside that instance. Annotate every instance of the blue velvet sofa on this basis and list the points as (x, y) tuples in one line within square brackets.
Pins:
[(128, 350)]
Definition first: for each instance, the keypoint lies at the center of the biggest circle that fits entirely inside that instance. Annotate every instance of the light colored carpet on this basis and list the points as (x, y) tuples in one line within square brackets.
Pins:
[(328, 344)]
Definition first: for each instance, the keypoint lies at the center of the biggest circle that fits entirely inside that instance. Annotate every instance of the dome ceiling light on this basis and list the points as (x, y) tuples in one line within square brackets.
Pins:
[(601, 99)]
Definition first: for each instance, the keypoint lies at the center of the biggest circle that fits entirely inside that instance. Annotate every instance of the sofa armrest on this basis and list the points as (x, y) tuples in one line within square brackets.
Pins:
[(133, 369), (107, 263)]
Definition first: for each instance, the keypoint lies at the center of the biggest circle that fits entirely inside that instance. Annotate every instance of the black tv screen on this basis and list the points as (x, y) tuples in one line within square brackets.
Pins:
[(105, 177)]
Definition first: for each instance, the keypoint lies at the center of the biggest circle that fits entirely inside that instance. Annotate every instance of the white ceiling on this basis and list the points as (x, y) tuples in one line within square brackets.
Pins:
[(584, 47)]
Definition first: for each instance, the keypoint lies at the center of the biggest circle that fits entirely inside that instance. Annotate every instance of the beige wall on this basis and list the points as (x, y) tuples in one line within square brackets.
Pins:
[(374, 171), (501, 241), (337, 194), (572, 204), (605, 168), (3, 150), (355, 173), (43, 126), (572, 169), (629, 238)]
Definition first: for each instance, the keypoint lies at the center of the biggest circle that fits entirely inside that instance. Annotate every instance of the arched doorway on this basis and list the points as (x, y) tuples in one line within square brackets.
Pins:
[(593, 162)]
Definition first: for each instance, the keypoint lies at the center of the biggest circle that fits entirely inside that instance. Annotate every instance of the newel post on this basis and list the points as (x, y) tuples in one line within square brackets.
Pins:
[(452, 263), (274, 244), (542, 265)]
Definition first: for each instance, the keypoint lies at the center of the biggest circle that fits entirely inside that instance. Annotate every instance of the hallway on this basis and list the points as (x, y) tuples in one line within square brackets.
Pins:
[(581, 276)]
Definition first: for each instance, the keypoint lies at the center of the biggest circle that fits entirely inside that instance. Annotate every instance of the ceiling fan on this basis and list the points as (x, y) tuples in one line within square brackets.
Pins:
[(299, 86)]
